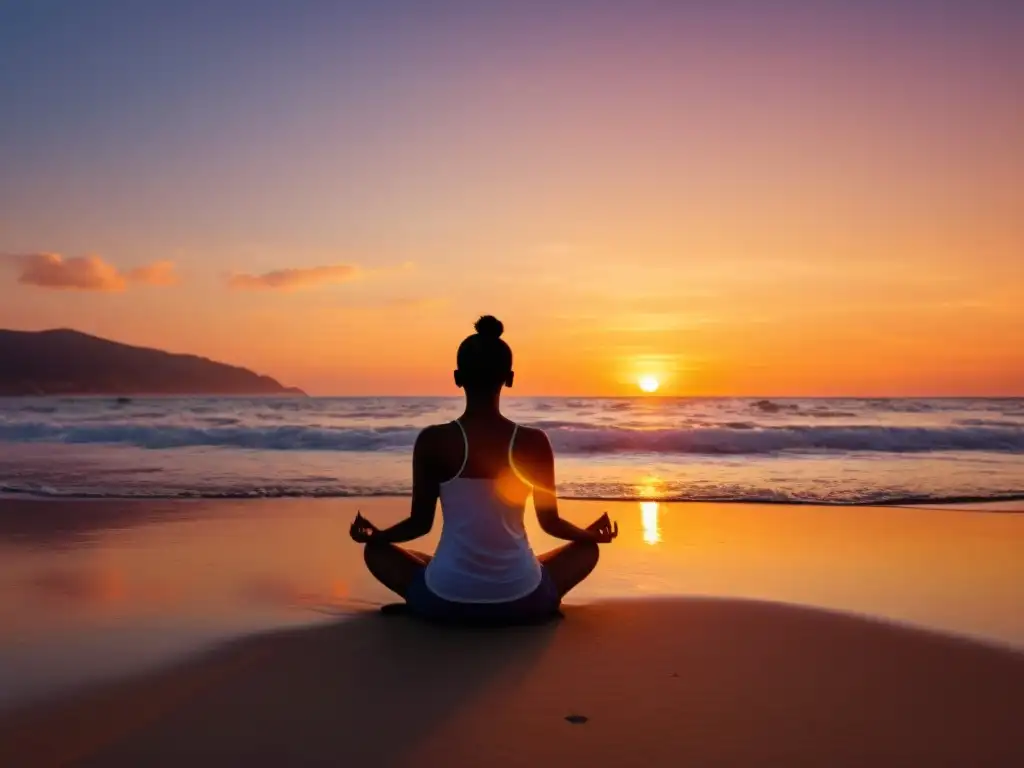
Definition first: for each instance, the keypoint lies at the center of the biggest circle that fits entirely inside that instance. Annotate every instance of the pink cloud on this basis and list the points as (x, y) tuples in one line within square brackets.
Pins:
[(157, 273), (83, 273), (291, 279), (86, 273)]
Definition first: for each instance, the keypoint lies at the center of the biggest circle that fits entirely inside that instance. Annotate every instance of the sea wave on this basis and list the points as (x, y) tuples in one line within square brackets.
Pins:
[(568, 437), (873, 498)]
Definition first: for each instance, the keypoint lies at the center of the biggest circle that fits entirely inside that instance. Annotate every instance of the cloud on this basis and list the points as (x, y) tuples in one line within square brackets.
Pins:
[(292, 279), (86, 273), (83, 273), (157, 273)]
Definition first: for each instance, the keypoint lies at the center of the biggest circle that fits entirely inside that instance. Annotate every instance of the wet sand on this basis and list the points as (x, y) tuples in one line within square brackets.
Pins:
[(709, 635), (660, 682)]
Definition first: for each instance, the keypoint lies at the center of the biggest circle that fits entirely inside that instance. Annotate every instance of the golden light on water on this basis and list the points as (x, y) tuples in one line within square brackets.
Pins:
[(649, 488), (649, 522), (648, 383)]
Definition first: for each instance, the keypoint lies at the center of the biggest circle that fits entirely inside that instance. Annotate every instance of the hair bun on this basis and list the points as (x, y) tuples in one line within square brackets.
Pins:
[(489, 326)]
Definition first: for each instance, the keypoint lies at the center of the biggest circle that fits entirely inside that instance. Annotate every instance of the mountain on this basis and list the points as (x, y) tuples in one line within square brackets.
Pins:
[(66, 362)]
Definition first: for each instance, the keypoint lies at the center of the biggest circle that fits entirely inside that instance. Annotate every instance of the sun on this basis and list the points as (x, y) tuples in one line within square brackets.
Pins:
[(649, 383)]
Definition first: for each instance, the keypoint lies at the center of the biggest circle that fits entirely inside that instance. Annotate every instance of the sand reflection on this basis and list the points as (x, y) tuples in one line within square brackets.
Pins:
[(96, 586), (279, 592), (649, 522), (650, 489)]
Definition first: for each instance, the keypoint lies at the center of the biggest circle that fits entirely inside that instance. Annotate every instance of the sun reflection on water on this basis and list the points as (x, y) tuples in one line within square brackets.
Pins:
[(649, 521)]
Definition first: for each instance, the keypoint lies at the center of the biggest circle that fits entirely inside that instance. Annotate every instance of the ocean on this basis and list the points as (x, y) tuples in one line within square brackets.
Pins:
[(831, 451)]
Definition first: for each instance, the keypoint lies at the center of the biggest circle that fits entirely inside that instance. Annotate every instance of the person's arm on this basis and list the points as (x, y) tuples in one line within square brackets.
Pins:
[(542, 475), (425, 491)]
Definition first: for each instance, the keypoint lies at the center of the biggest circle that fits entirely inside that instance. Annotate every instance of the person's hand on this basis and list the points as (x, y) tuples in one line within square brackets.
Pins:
[(362, 529), (604, 530)]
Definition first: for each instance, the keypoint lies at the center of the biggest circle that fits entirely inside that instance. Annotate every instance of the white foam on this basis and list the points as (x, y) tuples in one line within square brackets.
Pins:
[(567, 437)]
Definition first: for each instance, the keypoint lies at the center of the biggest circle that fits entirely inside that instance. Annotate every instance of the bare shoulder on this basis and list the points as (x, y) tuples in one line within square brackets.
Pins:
[(533, 442), (434, 435)]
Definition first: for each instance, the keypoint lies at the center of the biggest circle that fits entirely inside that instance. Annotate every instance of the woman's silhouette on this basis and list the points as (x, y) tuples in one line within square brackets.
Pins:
[(483, 467)]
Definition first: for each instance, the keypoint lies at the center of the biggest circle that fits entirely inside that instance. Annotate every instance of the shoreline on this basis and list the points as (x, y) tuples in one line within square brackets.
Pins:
[(1010, 503), (835, 452)]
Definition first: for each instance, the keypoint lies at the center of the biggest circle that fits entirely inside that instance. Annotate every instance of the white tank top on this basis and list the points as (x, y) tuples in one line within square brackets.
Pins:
[(483, 555)]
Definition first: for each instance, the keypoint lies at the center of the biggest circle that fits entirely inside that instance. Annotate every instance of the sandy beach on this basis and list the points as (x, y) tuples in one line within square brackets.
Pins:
[(660, 682), (224, 633)]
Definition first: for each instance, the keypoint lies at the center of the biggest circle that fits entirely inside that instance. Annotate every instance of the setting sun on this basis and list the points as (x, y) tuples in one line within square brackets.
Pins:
[(648, 383)]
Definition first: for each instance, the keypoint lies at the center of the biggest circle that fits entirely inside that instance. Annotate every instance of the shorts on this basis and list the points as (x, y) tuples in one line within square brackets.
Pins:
[(540, 605)]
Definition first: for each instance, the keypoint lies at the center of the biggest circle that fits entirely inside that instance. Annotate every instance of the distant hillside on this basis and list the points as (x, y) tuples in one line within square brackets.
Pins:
[(65, 362)]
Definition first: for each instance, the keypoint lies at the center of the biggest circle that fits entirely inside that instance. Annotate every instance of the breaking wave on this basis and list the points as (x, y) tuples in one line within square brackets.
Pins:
[(567, 437), (873, 498)]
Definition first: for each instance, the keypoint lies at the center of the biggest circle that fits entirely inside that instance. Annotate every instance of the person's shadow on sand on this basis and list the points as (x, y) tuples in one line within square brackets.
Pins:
[(656, 682)]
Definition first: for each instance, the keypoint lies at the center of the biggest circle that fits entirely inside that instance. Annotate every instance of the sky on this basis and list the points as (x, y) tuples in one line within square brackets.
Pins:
[(739, 198)]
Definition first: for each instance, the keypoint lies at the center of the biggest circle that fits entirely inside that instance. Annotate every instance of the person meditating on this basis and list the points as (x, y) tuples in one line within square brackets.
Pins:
[(483, 467)]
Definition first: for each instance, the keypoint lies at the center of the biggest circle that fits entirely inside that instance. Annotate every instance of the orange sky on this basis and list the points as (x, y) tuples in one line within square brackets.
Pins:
[(809, 202)]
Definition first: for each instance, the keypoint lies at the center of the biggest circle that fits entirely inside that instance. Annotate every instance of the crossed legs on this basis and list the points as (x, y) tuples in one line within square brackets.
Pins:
[(395, 567)]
